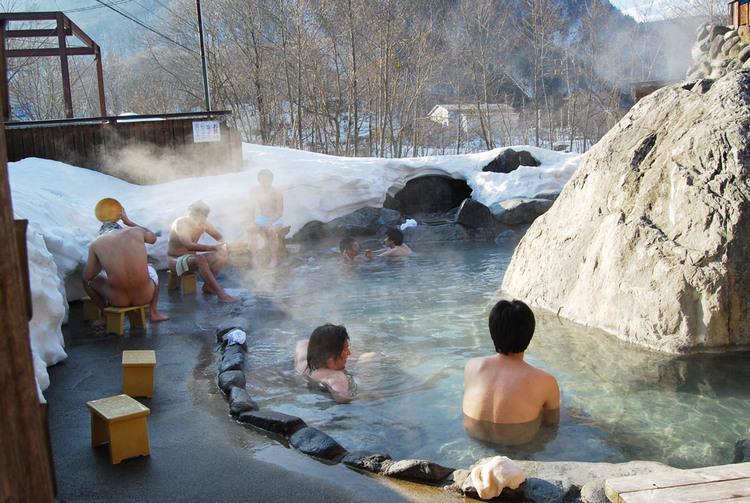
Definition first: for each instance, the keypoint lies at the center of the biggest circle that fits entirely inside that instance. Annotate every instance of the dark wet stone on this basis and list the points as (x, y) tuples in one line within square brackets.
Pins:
[(367, 461), (365, 221), (232, 361), (742, 449), (436, 233), (240, 401), (417, 470), (519, 211), (474, 214), (275, 422), (509, 160), (231, 379), (235, 349), (315, 443)]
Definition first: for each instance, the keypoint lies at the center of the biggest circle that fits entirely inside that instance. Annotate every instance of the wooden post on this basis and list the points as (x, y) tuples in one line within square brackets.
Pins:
[(25, 456)]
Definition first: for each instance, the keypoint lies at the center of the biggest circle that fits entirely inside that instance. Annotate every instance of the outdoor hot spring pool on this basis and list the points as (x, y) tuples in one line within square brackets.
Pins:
[(425, 316)]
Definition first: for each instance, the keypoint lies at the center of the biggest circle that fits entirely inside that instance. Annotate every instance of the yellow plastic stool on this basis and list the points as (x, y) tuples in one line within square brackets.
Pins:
[(121, 421), (116, 318), (138, 372), (187, 281), (90, 310)]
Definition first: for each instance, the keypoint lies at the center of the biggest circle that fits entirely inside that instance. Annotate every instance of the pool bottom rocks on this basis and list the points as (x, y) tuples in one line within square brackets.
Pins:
[(494, 478)]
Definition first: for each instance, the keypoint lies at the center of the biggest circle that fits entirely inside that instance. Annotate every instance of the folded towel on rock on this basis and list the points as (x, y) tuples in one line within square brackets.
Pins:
[(491, 477)]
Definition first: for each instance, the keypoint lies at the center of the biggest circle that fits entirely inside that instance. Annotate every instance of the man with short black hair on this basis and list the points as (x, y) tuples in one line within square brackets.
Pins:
[(394, 240), (506, 400)]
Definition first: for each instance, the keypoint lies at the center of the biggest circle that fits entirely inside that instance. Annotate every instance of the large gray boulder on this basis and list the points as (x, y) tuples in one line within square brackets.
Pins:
[(650, 239)]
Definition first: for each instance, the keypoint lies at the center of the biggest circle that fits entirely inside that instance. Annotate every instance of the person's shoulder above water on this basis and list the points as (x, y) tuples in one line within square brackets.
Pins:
[(323, 358), (503, 388)]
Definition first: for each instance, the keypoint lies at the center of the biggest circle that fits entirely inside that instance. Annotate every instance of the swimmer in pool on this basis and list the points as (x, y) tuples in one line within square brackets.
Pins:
[(350, 251), (323, 358), (506, 400), (394, 240), (266, 209)]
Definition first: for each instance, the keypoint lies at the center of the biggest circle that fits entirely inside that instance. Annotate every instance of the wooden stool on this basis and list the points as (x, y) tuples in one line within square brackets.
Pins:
[(116, 318), (186, 282), (121, 421), (138, 373), (90, 310)]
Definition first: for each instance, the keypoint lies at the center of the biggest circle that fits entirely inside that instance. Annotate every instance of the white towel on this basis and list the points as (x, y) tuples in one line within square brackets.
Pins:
[(236, 336), (490, 478), (409, 223)]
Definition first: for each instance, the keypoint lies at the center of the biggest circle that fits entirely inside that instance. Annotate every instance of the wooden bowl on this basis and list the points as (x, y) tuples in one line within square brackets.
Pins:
[(108, 210)]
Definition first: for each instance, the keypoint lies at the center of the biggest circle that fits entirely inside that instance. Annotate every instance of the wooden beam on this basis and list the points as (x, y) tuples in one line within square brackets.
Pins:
[(25, 457)]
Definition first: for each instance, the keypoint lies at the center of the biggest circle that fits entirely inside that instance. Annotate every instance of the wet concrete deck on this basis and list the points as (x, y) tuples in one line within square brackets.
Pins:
[(198, 452)]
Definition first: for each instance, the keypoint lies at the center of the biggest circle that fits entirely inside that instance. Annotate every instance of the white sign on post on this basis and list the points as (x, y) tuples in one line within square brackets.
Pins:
[(206, 131)]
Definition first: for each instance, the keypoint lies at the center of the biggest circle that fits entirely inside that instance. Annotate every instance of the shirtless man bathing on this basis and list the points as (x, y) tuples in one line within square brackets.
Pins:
[(506, 400), (266, 209), (183, 248), (128, 279)]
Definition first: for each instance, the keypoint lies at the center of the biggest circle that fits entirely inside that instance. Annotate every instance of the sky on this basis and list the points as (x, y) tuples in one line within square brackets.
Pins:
[(62, 223)]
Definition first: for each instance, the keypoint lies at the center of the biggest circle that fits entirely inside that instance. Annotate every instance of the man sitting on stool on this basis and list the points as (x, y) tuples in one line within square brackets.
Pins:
[(128, 279)]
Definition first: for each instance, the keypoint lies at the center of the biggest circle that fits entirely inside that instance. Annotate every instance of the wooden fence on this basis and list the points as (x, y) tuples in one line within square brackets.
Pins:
[(100, 143)]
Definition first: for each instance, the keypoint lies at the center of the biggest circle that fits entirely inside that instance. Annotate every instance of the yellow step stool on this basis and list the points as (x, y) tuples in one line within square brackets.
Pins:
[(121, 421), (138, 372), (90, 310), (187, 282), (116, 318)]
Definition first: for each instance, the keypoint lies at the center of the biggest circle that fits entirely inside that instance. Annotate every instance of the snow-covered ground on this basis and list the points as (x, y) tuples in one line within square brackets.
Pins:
[(58, 200)]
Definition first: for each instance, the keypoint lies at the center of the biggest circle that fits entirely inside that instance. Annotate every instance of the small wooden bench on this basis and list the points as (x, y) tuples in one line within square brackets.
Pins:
[(116, 318), (138, 372), (187, 282), (121, 421), (90, 310), (713, 483)]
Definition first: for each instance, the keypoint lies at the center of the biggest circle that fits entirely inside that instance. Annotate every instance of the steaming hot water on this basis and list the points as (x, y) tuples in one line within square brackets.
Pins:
[(424, 316)]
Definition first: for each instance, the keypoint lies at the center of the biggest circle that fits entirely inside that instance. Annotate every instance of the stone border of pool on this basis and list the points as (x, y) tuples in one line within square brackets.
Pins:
[(548, 482), (313, 442)]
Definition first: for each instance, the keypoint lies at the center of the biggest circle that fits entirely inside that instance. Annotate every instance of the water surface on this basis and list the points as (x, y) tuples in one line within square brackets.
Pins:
[(424, 316)]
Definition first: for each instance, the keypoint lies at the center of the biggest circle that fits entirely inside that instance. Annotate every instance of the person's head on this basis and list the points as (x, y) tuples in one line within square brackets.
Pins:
[(328, 348), (198, 210), (511, 326), (395, 236), (349, 245), (265, 177)]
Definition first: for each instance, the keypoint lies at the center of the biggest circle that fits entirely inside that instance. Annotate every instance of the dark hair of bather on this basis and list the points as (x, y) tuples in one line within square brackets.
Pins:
[(511, 326), (327, 341), (395, 235), (346, 244)]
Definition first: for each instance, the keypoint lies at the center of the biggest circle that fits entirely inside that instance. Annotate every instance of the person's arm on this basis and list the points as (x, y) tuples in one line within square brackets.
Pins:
[(126, 220), (214, 233), (300, 356), (338, 386), (187, 241), (92, 267)]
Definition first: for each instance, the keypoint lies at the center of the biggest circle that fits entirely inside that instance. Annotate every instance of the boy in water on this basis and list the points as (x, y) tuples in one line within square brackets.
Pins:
[(505, 399)]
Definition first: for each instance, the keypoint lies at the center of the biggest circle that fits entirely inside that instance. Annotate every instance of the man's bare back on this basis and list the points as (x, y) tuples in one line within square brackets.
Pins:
[(505, 389), (122, 255), (505, 399)]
